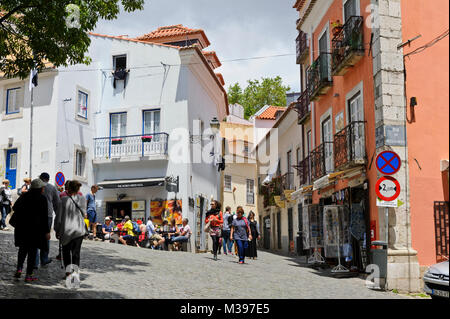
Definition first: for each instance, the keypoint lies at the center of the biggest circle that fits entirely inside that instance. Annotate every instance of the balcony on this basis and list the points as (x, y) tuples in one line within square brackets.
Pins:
[(274, 188), (304, 171), (348, 46), (302, 47), (133, 147), (349, 146), (319, 76), (321, 160), (302, 107)]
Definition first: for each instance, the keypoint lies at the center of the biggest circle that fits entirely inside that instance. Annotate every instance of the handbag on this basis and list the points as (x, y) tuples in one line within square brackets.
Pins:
[(82, 214), (208, 227)]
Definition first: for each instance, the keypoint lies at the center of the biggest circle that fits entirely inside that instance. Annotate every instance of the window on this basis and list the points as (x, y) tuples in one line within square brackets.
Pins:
[(13, 100), (80, 163), (350, 9), (13, 161), (152, 122), (227, 182), (308, 142), (298, 156), (289, 168), (120, 62), (118, 124), (327, 139), (82, 104), (246, 148), (250, 191)]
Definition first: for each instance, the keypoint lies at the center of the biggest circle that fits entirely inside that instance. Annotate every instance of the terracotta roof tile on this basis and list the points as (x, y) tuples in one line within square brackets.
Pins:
[(172, 31), (271, 113)]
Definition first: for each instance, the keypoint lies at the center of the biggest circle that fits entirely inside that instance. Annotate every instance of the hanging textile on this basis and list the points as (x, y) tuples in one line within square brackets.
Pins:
[(357, 223), (336, 231), (316, 229)]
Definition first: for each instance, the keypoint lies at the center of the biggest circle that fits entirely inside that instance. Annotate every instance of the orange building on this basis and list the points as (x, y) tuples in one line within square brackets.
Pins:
[(427, 74), (353, 107)]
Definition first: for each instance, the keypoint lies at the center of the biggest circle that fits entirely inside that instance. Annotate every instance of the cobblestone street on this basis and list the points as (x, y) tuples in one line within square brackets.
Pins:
[(116, 271)]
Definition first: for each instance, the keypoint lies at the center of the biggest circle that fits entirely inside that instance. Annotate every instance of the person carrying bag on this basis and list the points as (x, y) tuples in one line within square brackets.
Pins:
[(70, 227), (214, 221)]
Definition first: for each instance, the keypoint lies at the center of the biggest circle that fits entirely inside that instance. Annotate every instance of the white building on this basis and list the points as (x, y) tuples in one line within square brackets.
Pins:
[(91, 123)]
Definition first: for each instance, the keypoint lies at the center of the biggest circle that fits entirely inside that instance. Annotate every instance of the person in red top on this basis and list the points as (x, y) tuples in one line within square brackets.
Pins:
[(215, 219)]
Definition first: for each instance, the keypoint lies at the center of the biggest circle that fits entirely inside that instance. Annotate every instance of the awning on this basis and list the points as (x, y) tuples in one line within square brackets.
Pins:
[(322, 182), (132, 183), (272, 171)]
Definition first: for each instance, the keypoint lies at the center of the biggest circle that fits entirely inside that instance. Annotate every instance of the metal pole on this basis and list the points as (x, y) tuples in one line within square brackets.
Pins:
[(386, 210), (31, 133)]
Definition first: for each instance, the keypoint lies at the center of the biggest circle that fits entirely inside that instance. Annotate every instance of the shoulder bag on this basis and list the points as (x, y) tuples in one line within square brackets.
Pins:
[(82, 214)]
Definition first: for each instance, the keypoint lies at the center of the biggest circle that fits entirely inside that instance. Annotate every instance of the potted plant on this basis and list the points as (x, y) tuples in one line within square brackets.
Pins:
[(337, 27), (116, 141), (146, 138)]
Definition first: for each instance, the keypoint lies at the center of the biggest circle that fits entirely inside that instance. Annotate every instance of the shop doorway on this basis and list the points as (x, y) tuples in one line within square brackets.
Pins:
[(300, 230), (290, 229), (113, 209), (266, 232)]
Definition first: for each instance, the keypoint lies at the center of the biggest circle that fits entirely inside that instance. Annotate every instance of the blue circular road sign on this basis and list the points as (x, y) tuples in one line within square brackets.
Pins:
[(388, 162), (60, 179)]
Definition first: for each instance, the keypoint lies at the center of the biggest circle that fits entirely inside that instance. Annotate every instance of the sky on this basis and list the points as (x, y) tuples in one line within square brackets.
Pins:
[(237, 29)]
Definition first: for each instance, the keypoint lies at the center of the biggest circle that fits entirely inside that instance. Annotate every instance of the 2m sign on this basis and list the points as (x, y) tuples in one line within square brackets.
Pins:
[(387, 188)]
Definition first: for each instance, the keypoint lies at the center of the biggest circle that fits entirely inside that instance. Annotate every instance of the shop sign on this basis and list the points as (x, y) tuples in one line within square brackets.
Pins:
[(138, 205)]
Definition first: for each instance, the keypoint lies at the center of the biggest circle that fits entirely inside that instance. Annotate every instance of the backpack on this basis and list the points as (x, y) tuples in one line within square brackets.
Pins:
[(136, 228), (230, 220), (246, 224)]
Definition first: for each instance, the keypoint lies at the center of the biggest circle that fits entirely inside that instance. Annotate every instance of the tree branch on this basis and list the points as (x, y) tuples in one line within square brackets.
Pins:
[(16, 9)]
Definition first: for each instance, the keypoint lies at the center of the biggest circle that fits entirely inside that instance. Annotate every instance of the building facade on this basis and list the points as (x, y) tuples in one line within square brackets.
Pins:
[(353, 107), (135, 120)]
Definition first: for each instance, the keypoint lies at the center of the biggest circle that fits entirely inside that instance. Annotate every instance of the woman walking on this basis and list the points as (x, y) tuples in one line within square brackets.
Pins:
[(31, 229), (5, 202), (215, 219), (240, 233), (69, 227), (251, 251)]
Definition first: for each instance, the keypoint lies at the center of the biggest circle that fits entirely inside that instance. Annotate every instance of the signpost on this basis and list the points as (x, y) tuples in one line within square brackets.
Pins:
[(60, 179)]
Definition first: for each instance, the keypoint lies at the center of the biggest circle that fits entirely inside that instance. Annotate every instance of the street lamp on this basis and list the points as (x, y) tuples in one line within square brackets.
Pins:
[(215, 124)]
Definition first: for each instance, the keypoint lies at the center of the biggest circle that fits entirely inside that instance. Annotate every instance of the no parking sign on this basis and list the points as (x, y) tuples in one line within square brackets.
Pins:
[(60, 179)]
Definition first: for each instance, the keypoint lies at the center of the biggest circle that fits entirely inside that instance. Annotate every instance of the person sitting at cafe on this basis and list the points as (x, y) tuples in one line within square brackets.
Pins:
[(121, 216), (155, 238), (128, 227), (185, 232), (107, 229)]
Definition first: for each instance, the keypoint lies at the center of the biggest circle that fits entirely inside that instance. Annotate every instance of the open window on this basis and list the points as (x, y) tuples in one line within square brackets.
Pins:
[(120, 72)]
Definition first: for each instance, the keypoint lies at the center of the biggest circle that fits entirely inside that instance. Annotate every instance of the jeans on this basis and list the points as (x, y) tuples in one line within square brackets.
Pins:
[(43, 254), (242, 245), (226, 241), (5, 212), (180, 239), (25, 251)]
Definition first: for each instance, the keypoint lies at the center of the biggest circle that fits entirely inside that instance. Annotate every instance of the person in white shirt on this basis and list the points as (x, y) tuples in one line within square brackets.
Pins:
[(156, 238)]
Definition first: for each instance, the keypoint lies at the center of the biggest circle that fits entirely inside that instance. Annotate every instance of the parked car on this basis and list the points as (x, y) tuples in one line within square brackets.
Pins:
[(436, 280)]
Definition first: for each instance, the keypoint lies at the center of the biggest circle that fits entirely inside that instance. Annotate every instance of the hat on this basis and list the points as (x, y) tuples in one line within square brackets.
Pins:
[(107, 218), (37, 183)]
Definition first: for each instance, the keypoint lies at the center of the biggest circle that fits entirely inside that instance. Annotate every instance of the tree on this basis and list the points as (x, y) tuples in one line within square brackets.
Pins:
[(268, 91), (33, 32)]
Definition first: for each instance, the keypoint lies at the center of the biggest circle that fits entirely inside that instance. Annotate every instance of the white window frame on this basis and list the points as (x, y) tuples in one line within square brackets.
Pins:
[(250, 191), (119, 55), (120, 119), (80, 150), (82, 97), (225, 188), (152, 121), (358, 9)]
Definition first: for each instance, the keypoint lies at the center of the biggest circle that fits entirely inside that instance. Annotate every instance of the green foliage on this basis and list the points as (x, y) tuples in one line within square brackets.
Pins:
[(268, 91), (35, 31)]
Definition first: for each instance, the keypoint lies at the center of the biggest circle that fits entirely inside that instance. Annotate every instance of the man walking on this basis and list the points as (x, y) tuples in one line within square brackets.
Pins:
[(51, 194), (92, 210)]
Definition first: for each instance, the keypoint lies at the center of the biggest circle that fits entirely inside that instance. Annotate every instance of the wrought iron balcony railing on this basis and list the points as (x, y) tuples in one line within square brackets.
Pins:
[(302, 46), (349, 146), (302, 107), (304, 171), (321, 160), (133, 145), (348, 45), (319, 77)]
